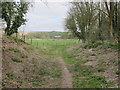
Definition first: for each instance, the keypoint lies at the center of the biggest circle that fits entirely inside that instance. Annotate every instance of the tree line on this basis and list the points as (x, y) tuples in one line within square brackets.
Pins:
[(50, 35), (94, 21)]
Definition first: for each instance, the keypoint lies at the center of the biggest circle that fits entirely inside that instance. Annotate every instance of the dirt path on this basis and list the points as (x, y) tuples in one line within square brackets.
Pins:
[(66, 75)]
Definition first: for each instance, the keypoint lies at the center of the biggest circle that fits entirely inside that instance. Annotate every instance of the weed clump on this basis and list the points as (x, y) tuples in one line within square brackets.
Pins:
[(24, 56), (14, 49), (9, 75), (15, 38), (16, 60), (93, 45)]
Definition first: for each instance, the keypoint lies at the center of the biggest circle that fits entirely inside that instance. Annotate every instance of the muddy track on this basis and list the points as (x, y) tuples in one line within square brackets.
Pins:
[(66, 75)]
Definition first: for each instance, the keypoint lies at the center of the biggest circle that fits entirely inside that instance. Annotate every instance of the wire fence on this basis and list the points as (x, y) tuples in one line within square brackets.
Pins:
[(51, 42)]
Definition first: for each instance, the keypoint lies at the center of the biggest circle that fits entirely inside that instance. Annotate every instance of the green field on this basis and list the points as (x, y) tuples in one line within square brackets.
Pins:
[(52, 45), (52, 42)]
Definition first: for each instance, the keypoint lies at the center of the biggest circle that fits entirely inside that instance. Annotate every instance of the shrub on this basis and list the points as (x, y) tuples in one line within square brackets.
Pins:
[(93, 45)]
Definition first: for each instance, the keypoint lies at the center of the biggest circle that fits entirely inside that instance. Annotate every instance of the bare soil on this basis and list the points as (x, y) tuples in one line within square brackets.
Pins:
[(66, 75)]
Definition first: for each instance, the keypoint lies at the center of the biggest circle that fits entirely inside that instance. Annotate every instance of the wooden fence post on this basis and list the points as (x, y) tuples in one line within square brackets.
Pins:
[(31, 40)]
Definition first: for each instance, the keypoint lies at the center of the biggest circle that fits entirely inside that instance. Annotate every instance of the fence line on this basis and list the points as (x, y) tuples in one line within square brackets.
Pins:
[(53, 43)]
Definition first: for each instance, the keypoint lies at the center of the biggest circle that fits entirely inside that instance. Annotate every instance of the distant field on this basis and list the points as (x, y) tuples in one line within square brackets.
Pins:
[(52, 42)]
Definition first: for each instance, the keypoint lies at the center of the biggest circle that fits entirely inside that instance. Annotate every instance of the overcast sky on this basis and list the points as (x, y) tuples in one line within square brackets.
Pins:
[(50, 17)]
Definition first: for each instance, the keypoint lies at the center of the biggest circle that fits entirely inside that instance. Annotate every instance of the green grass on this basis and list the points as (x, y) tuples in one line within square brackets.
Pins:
[(67, 58)]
